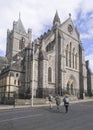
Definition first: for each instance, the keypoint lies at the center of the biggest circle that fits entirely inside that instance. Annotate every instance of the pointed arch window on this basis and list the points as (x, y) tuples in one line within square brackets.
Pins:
[(50, 46), (15, 82), (76, 61), (73, 58), (18, 82), (70, 55), (67, 55), (22, 43), (72, 89), (49, 74)]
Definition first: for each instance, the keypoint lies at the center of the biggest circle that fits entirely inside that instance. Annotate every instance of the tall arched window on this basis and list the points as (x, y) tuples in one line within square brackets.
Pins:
[(15, 82), (50, 46), (18, 82), (67, 55), (72, 89), (22, 43), (49, 74), (70, 55), (76, 61), (73, 58)]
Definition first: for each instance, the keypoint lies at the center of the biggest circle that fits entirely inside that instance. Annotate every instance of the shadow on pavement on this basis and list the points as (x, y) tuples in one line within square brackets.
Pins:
[(54, 110)]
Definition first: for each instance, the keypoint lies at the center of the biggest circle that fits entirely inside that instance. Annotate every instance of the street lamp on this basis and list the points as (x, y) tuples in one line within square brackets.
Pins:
[(32, 75)]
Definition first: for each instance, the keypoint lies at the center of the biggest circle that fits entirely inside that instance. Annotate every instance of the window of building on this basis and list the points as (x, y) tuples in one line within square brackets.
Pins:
[(67, 55), (70, 55), (22, 43), (49, 74), (18, 82), (50, 46), (20, 46), (15, 82), (17, 75), (76, 61), (72, 89), (73, 58)]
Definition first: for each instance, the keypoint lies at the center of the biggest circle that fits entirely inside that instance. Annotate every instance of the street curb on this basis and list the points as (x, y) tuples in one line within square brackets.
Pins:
[(43, 105)]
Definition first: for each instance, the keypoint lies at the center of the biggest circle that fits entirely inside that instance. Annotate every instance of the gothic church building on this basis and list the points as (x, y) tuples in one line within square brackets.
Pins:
[(53, 63)]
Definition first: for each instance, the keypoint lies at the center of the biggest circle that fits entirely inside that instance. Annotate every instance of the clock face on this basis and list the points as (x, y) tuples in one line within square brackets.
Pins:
[(70, 28)]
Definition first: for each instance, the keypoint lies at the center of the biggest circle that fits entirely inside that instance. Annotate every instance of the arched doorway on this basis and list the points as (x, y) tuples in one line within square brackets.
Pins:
[(71, 85)]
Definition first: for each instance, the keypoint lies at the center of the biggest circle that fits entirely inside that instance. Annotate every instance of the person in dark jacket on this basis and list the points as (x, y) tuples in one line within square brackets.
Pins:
[(66, 103), (50, 98)]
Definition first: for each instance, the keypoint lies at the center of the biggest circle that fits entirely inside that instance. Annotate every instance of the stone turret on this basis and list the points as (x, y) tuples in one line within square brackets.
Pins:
[(30, 34), (56, 20)]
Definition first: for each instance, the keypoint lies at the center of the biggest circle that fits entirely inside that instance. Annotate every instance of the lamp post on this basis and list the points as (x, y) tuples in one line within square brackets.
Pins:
[(32, 75)]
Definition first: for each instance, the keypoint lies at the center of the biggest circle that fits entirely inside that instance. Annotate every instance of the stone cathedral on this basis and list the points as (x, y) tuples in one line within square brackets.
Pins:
[(54, 63)]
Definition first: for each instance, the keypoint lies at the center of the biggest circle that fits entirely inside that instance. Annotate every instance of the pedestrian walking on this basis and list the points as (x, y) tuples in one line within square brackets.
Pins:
[(66, 103), (58, 101), (50, 98)]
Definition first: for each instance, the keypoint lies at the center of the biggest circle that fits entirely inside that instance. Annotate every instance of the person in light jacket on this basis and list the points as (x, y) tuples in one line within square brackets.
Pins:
[(58, 101)]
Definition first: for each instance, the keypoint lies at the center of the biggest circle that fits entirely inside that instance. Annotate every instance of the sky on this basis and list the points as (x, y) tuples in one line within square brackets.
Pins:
[(38, 15)]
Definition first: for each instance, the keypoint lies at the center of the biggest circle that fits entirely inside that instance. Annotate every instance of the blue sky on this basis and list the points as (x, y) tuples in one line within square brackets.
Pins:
[(85, 27), (38, 15)]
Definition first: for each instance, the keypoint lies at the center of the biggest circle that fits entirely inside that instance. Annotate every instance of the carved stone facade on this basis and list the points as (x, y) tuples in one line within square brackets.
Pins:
[(53, 63)]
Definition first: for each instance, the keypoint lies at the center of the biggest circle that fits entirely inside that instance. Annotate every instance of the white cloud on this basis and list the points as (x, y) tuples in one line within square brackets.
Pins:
[(35, 14), (86, 6), (85, 36)]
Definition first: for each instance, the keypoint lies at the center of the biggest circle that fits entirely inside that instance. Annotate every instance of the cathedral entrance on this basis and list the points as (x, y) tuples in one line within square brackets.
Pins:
[(70, 87)]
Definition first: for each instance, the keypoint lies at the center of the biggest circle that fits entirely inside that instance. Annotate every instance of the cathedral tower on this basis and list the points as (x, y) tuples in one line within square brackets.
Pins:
[(17, 39)]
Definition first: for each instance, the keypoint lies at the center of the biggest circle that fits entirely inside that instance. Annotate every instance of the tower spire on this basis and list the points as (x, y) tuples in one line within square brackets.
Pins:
[(56, 20), (19, 15), (69, 15)]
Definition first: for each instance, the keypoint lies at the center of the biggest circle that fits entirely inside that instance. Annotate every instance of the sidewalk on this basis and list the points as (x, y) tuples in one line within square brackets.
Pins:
[(7, 107)]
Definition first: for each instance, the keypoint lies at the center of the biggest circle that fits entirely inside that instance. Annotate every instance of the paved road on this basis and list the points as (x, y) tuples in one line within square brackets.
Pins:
[(80, 117)]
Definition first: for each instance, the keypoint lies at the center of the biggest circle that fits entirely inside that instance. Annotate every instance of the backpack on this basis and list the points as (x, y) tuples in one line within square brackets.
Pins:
[(50, 98), (66, 100)]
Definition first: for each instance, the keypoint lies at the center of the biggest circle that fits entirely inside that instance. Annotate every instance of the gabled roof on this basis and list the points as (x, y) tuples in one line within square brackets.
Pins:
[(67, 20)]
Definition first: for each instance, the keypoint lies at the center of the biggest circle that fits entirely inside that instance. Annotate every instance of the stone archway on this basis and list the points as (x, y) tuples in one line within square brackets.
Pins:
[(71, 85)]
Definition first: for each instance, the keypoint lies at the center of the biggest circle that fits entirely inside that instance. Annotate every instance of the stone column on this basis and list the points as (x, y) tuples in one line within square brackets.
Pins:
[(56, 61)]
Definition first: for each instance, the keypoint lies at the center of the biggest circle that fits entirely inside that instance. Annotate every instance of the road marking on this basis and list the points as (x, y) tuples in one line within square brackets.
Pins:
[(21, 118)]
